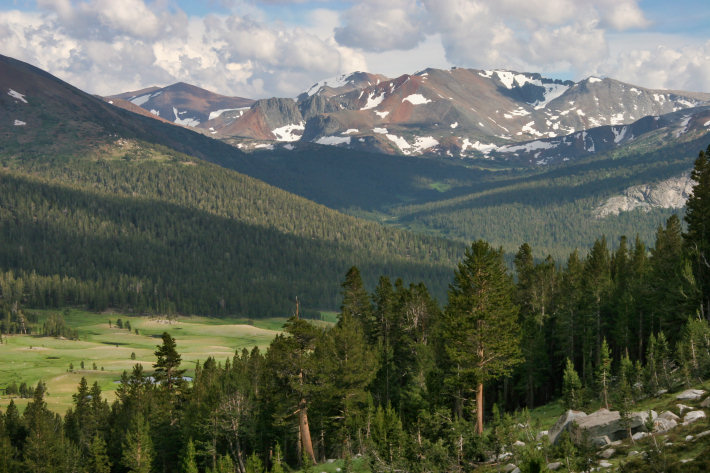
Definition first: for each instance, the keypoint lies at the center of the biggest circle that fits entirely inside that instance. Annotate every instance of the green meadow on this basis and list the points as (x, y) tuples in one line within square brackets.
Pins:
[(31, 358)]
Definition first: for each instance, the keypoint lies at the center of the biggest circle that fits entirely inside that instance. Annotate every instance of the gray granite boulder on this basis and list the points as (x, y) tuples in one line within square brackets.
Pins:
[(693, 416), (563, 423), (605, 425), (690, 395)]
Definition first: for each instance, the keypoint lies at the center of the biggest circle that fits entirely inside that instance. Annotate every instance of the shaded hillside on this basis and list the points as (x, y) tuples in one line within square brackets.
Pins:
[(100, 207)]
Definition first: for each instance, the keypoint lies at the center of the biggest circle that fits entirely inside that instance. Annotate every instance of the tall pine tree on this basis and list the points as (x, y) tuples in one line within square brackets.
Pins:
[(480, 325), (697, 238)]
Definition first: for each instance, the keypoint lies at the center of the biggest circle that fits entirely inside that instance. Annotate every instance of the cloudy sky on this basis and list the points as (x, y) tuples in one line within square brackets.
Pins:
[(261, 48)]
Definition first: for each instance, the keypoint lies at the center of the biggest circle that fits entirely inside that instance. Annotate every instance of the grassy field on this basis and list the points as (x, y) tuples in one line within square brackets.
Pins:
[(29, 358)]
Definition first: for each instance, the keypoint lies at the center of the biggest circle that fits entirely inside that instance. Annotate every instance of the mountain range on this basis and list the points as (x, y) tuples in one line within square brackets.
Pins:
[(499, 115), (624, 175)]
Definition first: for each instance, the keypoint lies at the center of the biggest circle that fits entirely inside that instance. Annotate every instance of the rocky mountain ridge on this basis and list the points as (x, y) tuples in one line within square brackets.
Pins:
[(459, 112)]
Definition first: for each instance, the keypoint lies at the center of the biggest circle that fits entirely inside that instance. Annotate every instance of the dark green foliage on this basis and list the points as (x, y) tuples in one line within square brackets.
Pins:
[(167, 370), (479, 327), (697, 238), (166, 237), (55, 326), (571, 387), (137, 449), (97, 459), (188, 464)]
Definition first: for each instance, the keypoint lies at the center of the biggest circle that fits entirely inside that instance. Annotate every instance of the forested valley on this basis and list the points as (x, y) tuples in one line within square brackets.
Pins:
[(402, 383)]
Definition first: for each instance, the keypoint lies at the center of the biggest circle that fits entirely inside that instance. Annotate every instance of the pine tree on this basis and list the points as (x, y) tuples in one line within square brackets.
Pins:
[(596, 283), (254, 464), (166, 368), (98, 461), (356, 302), (571, 387), (480, 325), (137, 451), (188, 464), (624, 392), (276, 460), (697, 238), (604, 373)]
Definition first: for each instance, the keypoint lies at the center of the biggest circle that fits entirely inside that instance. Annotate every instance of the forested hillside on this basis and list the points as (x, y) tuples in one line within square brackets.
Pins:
[(144, 228), (408, 385)]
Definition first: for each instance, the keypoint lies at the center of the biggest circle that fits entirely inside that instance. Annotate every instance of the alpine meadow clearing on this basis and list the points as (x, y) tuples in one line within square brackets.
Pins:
[(106, 351)]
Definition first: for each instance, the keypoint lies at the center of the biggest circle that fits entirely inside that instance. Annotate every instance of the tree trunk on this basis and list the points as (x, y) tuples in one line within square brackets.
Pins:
[(305, 432), (479, 409)]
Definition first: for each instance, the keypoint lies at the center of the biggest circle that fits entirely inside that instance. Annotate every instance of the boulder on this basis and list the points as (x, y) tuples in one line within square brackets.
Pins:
[(509, 467), (662, 425), (693, 416), (607, 454), (690, 395), (563, 423), (519, 443), (703, 434), (554, 466), (604, 464), (668, 415), (682, 408), (600, 442), (541, 434), (604, 426), (688, 438), (706, 402), (639, 435)]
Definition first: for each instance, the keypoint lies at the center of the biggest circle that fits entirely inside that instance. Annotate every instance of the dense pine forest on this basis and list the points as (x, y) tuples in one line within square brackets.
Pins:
[(140, 227), (401, 382)]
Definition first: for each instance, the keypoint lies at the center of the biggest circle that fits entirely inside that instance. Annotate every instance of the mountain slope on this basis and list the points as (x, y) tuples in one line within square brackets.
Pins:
[(184, 104), (98, 207), (456, 112)]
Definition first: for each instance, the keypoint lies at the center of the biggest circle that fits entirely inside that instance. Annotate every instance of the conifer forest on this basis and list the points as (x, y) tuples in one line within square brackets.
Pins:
[(404, 381)]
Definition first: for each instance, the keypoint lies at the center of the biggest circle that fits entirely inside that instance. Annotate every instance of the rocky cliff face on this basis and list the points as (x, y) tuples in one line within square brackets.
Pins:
[(671, 193)]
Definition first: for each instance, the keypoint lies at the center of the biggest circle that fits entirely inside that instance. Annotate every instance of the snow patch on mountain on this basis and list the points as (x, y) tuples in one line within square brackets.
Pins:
[(155, 112), (416, 99), (421, 143), (510, 79), (333, 82), (350, 131), (617, 119), (593, 80), (529, 129), (216, 113), (16, 95), (527, 147), (400, 142), (671, 193), (484, 148), (518, 112), (552, 91), (684, 125), (184, 121), (333, 140), (454, 125), (20, 123), (373, 101), (381, 131), (619, 134), (707, 123), (289, 132), (382, 114)]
